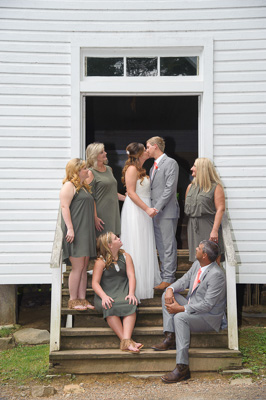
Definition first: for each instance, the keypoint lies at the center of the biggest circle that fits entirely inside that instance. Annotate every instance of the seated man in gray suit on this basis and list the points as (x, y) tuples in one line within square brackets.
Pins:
[(163, 181), (201, 311)]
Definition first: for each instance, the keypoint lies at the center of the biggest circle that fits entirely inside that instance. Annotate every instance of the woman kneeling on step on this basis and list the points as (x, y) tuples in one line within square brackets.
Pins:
[(114, 284)]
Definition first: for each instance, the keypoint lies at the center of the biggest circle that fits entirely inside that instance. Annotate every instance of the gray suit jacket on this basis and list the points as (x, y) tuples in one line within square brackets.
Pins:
[(163, 188), (209, 297)]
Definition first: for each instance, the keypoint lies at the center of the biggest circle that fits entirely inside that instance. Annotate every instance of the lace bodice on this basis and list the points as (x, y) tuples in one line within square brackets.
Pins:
[(143, 189)]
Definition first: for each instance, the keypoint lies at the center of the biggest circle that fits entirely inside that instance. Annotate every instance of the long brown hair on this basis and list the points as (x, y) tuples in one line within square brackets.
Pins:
[(72, 174), (134, 151), (103, 249)]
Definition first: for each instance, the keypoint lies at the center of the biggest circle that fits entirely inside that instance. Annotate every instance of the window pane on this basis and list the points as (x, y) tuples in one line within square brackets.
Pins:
[(174, 66), (98, 66), (142, 66)]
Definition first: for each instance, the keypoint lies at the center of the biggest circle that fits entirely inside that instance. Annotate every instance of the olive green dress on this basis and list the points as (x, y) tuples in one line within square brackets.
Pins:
[(115, 284), (104, 191), (82, 216), (200, 209)]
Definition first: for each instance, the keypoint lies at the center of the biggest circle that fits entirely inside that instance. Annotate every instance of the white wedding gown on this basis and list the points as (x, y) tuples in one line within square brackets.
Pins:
[(137, 236)]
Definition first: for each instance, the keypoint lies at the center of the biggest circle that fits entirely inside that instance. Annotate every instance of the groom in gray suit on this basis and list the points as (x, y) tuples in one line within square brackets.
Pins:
[(201, 311), (164, 178)]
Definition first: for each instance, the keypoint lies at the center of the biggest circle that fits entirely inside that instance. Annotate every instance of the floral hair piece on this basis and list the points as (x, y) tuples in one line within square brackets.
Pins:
[(128, 152)]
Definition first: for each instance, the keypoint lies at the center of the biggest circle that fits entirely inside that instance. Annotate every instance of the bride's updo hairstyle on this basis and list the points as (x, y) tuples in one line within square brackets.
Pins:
[(134, 151)]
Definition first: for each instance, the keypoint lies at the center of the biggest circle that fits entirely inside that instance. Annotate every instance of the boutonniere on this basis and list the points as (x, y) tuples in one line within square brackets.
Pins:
[(156, 166)]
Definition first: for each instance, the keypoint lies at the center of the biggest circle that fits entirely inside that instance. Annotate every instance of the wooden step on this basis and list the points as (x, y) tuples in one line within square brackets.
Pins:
[(155, 302), (183, 266), (105, 338), (179, 274), (114, 360), (146, 316)]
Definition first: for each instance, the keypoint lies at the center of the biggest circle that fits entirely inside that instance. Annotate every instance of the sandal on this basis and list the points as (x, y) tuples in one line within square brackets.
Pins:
[(138, 345), (76, 305), (87, 304), (125, 343)]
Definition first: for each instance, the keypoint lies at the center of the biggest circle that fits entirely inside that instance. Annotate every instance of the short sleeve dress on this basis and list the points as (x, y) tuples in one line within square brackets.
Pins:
[(200, 208), (104, 191), (82, 216), (115, 284)]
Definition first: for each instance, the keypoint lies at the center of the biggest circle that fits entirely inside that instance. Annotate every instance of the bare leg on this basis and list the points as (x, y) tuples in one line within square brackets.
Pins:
[(116, 325), (75, 278), (128, 325), (83, 280)]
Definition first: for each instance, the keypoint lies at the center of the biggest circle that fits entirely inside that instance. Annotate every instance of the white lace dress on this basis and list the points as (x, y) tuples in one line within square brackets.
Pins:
[(137, 236)]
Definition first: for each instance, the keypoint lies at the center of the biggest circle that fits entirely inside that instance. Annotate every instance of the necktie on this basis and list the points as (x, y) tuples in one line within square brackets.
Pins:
[(196, 281), (155, 166)]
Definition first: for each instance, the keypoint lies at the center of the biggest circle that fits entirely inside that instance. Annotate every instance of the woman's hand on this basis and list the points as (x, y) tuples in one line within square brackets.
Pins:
[(70, 235), (151, 212), (98, 224), (107, 302), (214, 236), (132, 299)]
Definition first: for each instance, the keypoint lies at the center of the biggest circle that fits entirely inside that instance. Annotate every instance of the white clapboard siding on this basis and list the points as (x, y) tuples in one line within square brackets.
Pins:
[(35, 113)]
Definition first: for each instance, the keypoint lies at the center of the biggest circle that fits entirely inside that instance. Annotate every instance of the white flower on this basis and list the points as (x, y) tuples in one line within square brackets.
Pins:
[(128, 152)]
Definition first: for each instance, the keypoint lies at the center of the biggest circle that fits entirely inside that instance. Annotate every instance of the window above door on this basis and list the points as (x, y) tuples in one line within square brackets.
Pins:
[(141, 66)]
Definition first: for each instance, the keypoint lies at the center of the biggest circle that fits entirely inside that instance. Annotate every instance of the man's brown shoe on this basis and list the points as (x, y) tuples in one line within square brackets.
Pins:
[(167, 344), (180, 373), (162, 286)]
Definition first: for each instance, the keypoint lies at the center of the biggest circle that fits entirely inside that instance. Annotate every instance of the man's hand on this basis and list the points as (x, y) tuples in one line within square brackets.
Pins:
[(169, 296), (174, 308)]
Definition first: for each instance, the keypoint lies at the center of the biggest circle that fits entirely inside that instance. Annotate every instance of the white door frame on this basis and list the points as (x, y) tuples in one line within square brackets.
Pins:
[(142, 45)]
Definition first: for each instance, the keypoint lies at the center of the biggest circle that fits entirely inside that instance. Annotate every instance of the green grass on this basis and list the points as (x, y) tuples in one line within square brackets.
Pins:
[(252, 343), (5, 332), (24, 363)]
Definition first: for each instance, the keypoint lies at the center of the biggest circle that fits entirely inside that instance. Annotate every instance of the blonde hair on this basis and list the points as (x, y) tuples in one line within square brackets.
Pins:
[(157, 140), (206, 174), (103, 249), (92, 152), (73, 168), (134, 151)]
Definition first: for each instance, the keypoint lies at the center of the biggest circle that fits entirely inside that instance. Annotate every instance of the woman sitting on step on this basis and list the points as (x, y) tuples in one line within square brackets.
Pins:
[(114, 284)]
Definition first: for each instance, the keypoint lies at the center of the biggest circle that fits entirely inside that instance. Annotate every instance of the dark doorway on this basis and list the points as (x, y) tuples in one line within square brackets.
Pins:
[(117, 121)]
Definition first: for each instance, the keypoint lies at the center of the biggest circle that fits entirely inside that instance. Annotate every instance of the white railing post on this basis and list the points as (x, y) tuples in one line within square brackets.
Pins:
[(56, 295), (55, 323), (230, 267), (231, 306)]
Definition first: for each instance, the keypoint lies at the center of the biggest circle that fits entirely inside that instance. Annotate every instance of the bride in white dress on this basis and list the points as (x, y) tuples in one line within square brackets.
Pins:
[(137, 234)]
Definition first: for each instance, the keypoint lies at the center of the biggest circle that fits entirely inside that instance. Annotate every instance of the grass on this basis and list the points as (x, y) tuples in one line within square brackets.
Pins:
[(24, 363), (5, 332), (253, 348)]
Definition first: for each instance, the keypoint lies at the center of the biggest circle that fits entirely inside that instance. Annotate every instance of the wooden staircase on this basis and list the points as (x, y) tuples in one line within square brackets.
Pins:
[(90, 346)]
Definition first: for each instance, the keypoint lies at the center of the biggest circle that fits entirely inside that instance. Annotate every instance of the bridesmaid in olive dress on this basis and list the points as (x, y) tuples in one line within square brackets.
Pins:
[(104, 190), (114, 284), (205, 206), (79, 240)]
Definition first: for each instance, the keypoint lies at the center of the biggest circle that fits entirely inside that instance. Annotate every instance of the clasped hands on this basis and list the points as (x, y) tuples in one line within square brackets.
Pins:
[(152, 212), (172, 306)]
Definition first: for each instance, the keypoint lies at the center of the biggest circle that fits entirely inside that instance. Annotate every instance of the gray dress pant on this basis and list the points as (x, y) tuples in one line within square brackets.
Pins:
[(165, 231), (182, 324)]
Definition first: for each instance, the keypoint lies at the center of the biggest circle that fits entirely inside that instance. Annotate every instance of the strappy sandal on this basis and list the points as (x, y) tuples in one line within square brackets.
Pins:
[(124, 346), (140, 345), (86, 304), (76, 305)]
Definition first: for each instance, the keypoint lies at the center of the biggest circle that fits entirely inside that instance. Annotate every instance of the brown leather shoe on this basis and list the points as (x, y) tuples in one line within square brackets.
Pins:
[(167, 344), (162, 286), (180, 373)]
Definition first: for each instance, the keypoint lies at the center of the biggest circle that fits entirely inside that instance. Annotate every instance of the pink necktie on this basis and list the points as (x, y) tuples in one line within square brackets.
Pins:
[(197, 280), (154, 169)]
